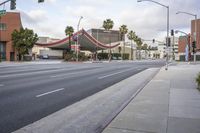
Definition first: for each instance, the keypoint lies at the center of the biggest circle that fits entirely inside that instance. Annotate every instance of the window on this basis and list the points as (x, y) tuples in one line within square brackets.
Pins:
[(3, 50), (3, 26)]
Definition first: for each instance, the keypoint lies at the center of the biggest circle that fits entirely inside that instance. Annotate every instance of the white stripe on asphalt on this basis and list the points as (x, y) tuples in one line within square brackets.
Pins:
[(1, 85), (74, 73), (102, 77), (23, 74), (50, 92)]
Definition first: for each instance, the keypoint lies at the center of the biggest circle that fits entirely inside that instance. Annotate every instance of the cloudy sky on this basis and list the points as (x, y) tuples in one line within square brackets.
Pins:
[(147, 19)]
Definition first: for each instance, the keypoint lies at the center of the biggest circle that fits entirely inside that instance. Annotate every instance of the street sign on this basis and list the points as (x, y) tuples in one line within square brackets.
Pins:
[(2, 12)]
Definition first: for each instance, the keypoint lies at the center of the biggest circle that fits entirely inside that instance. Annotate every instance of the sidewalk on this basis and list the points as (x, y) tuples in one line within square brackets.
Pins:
[(170, 103)]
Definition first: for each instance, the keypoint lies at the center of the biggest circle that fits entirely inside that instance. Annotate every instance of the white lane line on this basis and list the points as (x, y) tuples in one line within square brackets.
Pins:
[(50, 92), (1, 85), (23, 74), (61, 75), (102, 77), (74, 73)]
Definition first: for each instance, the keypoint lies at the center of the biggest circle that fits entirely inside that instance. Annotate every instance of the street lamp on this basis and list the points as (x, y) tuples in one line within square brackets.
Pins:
[(77, 37), (195, 38), (167, 42)]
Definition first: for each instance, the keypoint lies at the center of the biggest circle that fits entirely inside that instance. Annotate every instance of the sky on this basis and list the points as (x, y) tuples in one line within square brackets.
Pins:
[(147, 19)]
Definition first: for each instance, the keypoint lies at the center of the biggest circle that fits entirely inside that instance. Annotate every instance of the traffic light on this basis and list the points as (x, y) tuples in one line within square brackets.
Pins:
[(168, 40), (12, 4), (172, 32), (193, 46), (40, 1), (153, 40)]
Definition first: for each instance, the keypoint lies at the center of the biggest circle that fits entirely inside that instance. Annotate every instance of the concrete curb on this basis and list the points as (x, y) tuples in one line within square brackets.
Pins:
[(97, 111)]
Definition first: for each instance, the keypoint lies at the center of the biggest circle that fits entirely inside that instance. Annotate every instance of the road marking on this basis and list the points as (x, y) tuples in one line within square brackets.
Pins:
[(23, 74), (74, 73), (50, 92), (102, 77), (61, 75), (1, 85)]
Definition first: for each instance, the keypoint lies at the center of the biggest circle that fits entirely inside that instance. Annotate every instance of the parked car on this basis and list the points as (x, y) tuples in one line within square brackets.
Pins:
[(45, 57)]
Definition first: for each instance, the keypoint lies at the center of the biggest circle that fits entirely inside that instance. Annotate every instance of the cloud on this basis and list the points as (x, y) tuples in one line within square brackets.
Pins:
[(51, 1), (148, 20), (34, 16)]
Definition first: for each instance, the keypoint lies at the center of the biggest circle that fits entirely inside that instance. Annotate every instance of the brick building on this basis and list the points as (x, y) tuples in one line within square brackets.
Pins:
[(8, 23), (198, 33), (184, 40)]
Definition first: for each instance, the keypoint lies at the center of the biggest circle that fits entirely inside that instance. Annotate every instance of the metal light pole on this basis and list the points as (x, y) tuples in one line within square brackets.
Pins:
[(195, 38), (167, 42), (77, 37)]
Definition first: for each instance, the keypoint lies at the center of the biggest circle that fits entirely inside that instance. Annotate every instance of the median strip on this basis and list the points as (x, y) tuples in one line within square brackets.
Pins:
[(50, 92)]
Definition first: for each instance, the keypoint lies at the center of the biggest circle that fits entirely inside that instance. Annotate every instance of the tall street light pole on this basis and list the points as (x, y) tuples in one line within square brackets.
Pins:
[(77, 45), (195, 35), (167, 40)]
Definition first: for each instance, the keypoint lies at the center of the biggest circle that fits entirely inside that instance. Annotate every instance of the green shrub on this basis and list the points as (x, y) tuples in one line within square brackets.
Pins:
[(72, 57), (198, 81), (104, 56)]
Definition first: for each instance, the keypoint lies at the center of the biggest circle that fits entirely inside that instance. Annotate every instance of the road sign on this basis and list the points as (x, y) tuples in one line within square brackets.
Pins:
[(2, 12)]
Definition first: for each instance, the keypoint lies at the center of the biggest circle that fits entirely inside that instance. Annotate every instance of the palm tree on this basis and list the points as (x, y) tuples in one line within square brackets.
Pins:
[(123, 30), (131, 36), (108, 25), (139, 43), (145, 48), (69, 30)]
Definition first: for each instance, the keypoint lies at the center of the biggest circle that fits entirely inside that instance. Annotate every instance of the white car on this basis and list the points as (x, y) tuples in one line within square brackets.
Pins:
[(45, 57)]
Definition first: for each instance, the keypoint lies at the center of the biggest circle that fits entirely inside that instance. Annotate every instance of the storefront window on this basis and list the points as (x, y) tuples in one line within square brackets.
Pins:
[(3, 26), (3, 50)]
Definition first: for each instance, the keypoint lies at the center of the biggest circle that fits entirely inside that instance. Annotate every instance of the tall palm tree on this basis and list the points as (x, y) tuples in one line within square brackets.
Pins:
[(139, 43), (123, 30), (145, 48), (131, 36), (69, 31), (108, 25)]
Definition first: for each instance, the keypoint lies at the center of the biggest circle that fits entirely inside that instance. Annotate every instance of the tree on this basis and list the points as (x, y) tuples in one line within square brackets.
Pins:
[(145, 48), (108, 25), (123, 30), (131, 36), (69, 31), (139, 42), (23, 41)]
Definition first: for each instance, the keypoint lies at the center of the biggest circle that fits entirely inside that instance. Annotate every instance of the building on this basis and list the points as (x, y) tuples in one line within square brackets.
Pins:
[(186, 41), (40, 51), (8, 23), (104, 36), (183, 42), (193, 34), (93, 40)]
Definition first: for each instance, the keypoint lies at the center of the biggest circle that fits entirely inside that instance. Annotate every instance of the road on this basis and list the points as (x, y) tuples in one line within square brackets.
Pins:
[(29, 92)]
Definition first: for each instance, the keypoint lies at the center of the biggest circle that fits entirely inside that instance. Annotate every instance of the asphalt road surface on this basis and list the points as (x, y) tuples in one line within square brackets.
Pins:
[(29, 92)]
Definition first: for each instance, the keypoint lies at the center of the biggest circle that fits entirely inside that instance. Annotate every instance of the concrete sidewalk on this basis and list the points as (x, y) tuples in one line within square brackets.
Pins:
[(170, 103)]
